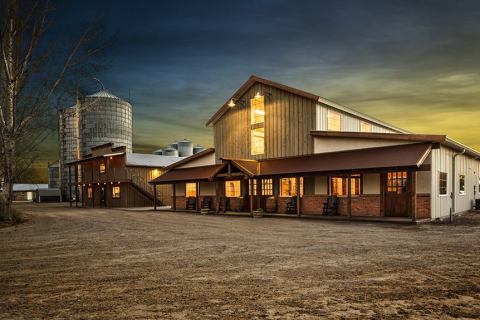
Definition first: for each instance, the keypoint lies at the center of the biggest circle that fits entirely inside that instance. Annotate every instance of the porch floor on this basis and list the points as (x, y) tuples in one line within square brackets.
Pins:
[(404, 220)]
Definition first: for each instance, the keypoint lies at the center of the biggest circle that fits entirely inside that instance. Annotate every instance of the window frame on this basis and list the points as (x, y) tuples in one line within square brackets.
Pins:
[(460, 191), (393, 185), (254, 137), (188, 186), (114, 194), (102, 167), (89, 192), (440, 173), (344, 179), (293, 191), (334, 113), (235, 193), (367, 124)]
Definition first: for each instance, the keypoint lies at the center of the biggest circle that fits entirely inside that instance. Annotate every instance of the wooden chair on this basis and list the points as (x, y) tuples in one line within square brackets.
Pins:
[(191, 203), (292, 206), (330, 208), (206, 203)]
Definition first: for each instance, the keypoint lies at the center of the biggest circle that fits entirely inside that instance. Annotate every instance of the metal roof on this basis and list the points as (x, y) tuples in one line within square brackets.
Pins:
[(18, 187), (204, 173), (150, 160), (103, 94)]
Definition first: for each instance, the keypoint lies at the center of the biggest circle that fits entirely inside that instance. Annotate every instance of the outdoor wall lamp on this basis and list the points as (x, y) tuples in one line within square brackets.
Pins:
[(233, 102)]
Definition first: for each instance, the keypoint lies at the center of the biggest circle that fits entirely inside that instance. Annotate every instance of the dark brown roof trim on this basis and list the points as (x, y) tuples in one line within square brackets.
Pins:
[(383, 136), (248, 84)]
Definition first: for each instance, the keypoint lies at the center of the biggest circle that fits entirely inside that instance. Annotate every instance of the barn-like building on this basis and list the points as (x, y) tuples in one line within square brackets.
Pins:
[(284, 150)]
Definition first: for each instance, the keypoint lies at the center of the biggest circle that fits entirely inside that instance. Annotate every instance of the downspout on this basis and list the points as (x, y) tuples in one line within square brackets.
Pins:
[(452, 195)]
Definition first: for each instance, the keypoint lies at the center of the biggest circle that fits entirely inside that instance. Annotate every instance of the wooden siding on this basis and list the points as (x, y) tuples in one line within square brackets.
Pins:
[(117, 171), (348, 122), (442, 162), (289, 119)]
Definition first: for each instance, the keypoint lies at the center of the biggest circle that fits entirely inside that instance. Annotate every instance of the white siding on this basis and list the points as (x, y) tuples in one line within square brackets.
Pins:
[(205, 160), (332, 144), (442, 162), (349, 122)]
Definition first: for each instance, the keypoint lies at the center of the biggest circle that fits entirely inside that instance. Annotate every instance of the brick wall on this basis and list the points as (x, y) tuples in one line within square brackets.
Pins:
[(362, 205), (423, 206), (366, 205)]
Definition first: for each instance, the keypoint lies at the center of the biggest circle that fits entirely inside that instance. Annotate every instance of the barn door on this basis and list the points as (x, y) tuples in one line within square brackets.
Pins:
[(396, 194)]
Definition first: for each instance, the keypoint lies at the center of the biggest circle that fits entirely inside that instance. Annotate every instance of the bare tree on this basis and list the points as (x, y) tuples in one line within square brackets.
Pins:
[(36, 78)]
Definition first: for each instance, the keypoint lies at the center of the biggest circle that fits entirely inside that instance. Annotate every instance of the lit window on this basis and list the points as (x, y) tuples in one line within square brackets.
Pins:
[(102, 167), (232, 188), (258, 141), (116, 192), (89, 192), (442, 183), (333, 121), (397, 182), (155, 173), (461, 188), (365, 127), (339, 185), (267, 187), (191, 189), (288, 187), (257, 107)]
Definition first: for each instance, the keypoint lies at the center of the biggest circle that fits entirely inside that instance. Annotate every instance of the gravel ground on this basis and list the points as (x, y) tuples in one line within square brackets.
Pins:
[(83, 263)]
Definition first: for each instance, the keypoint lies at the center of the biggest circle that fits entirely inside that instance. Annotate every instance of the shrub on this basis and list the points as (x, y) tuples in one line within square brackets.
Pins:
[(10, 214)]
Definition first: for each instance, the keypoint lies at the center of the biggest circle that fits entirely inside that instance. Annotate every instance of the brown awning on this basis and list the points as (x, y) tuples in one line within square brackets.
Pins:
[(203, 173), (409, 155)]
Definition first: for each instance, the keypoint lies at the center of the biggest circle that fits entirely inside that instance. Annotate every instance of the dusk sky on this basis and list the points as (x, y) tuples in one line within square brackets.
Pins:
[(414, 64)]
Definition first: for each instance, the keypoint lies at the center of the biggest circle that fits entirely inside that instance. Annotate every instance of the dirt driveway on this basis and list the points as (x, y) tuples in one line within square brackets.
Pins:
[(84, 263)]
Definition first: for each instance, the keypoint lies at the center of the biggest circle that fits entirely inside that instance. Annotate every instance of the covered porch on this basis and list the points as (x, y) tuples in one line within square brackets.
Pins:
[(391, 183)]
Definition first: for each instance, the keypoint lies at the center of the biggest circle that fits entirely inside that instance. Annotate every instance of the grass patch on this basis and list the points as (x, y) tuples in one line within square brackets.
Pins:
[(11, 215)]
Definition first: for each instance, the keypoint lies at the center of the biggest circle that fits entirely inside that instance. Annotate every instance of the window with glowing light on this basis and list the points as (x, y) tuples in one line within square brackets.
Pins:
[(258, 141), (191, 189), (116, 192), (397, 182), (339, 185), (102, 167), (232, 188), (334, 121), (365, 127), (257, 107), (288, 187), (89, 192)]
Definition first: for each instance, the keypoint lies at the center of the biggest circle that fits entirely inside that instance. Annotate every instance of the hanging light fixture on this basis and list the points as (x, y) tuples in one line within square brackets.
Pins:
[(258, 95), (231, 104)]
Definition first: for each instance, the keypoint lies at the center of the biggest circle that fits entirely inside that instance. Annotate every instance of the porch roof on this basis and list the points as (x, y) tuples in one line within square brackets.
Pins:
[(410, 155), (203, 173), (401, 156)]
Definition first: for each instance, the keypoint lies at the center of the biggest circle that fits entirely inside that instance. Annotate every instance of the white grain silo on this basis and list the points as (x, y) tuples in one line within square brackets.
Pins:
[(185, 148)]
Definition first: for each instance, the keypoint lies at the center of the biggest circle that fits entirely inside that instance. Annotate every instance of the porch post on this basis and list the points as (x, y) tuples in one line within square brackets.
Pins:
[(93, 195), (174, 200), (70, 184), (349, 195), (197, 196), (251, 195), (297, 185), (76, 186), (413, 195), (154, 196), (259, 193)]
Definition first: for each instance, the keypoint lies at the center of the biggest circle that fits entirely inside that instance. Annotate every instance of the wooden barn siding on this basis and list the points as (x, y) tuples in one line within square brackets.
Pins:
[(288, 121), (348, 122), (442, 162)]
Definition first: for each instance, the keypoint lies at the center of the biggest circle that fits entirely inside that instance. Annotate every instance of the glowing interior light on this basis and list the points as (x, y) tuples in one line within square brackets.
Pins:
[(260, 112)]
